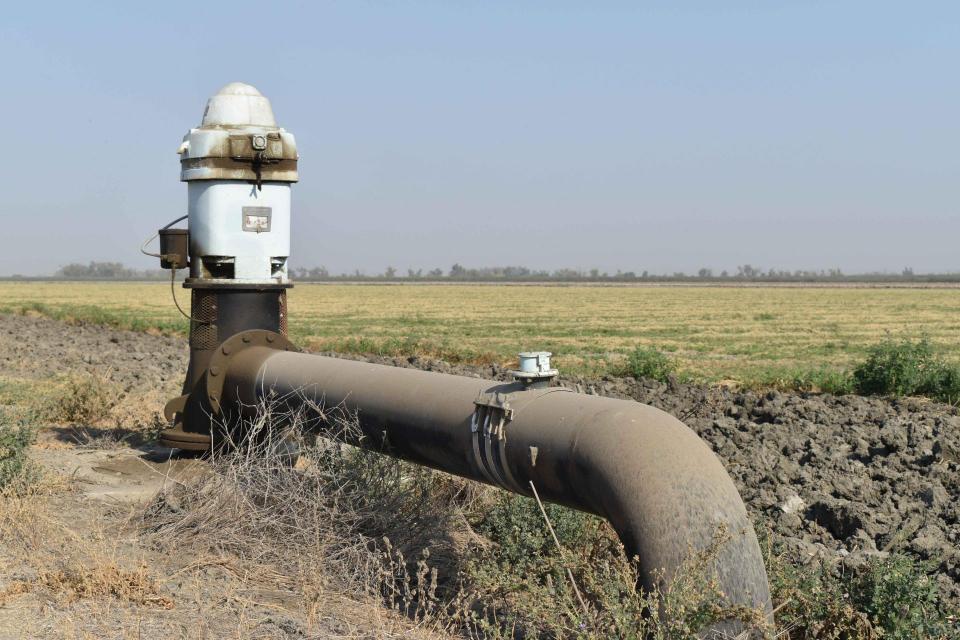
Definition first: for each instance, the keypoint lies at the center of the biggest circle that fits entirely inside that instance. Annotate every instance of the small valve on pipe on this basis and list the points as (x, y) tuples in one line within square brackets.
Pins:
[(535, 370)]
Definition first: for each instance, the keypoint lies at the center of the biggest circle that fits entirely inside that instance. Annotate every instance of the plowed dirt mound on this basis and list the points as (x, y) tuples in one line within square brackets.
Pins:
[(840, 478)]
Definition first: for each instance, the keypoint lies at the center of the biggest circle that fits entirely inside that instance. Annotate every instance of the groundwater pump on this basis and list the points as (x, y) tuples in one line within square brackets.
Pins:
[(660, 486)]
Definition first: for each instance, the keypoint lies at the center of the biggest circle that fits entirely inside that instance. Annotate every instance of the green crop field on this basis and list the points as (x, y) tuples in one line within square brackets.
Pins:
[(752, 335)]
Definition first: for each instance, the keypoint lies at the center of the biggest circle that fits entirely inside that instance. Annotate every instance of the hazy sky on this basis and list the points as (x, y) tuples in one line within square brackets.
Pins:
[(658, 136)]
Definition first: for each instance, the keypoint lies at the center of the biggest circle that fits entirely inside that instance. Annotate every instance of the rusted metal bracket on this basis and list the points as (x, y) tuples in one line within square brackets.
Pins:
[(257, 150), (174, 406)]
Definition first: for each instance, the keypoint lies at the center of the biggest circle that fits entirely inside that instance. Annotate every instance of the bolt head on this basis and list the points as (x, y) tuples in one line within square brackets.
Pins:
[(246, 339)]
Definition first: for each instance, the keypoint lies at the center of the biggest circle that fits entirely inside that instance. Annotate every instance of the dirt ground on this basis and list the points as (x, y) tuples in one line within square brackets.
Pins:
[(843, 478), (71, 562)]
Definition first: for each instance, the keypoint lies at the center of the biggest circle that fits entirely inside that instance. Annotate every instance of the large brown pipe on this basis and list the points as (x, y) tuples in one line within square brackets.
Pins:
[(651, 477)]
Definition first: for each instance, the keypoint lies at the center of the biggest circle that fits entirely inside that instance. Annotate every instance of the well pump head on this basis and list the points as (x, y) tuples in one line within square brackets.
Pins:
[(238, 166)]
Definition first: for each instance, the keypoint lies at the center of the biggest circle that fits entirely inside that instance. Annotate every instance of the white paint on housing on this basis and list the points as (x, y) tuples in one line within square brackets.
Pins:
[(216, 218)]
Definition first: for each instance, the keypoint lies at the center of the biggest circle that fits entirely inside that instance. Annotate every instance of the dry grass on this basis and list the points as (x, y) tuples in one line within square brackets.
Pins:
[(307, 535), (94, 412), (366, 527), (78, 580), (744, 334), (52, 568), (74, 568)]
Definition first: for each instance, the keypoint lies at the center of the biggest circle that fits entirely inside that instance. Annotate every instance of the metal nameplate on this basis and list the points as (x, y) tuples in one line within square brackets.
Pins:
[(256, 219)]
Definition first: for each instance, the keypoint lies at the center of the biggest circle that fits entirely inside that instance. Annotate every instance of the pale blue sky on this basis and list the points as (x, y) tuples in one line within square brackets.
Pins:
[(633, 136)]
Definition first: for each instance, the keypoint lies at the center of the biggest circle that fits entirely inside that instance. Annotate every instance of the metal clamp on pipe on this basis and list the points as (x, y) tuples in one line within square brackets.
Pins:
[(487, 425)]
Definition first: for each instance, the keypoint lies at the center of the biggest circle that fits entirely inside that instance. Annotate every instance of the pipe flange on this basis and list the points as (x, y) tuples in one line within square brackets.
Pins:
[(217, 370), (544, 376)]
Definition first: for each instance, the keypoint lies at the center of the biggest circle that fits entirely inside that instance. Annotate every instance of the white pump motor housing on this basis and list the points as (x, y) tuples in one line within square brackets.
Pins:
[(238, 166)]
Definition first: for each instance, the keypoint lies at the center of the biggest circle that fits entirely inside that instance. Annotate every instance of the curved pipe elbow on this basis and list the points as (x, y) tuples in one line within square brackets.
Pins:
[(658, 484)]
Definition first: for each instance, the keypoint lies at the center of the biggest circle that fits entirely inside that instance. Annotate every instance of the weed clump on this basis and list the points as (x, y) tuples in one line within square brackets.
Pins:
[(99, 413), (907, 367), (890, 597), (580, 584), (83, 400), (649, 362), (516, 524), (898, 595), (16, 470)]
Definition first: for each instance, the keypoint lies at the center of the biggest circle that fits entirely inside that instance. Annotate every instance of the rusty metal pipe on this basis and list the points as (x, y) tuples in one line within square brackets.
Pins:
[(657, 483)]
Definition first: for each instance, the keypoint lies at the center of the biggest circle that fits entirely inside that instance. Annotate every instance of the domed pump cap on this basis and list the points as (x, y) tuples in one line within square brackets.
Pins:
[(238, 105), (238, 140)]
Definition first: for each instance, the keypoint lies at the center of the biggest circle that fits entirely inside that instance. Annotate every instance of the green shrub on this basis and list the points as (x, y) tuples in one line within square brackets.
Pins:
[(83, 400), (15, 467), (905, 368), (892, 598), (524, 585), (944, 384), (648, 362), (899, 597), (517, 526), (895, 368)]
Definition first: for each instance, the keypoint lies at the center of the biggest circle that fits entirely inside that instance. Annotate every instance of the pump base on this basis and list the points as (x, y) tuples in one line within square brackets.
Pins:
[(197, 415), (177, 438)]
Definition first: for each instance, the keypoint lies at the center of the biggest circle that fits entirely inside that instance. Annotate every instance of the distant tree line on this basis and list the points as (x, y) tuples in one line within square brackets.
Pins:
[(743, 273), (459, 273), (100, 271), (108, 271)]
